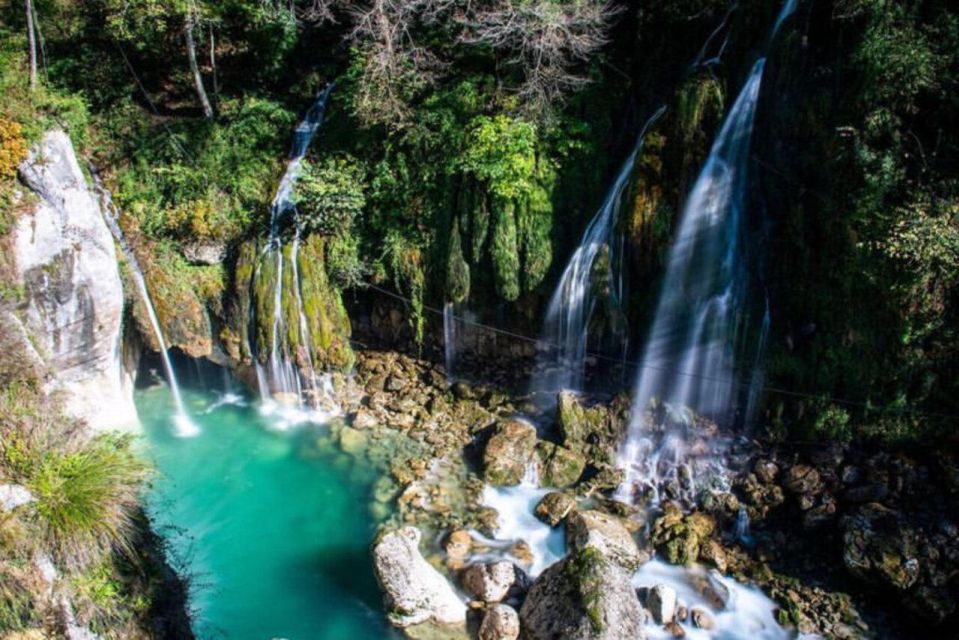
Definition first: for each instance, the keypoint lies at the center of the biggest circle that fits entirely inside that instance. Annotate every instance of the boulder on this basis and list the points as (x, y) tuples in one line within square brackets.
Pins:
[(204, 252), (802, 479), (606, 534), (577, 422), (508, 451), (678, 536), (554, 507), (879, 547), (489, 582), (415, 592), (702, 619), (661, 603), (500, 623), (559, 466), (585, 596), (458, 544), (73, 296)]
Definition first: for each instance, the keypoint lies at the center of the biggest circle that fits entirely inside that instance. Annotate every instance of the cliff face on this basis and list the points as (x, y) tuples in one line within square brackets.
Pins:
[(73, 304)]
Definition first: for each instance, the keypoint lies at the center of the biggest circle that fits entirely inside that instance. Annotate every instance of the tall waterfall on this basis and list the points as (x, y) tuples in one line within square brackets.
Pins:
[(182, 423), (280, 377), (690, 358), (566, 327)]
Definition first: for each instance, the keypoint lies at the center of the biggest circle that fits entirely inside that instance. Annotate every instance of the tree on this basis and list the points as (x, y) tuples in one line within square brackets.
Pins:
[(189, 22)]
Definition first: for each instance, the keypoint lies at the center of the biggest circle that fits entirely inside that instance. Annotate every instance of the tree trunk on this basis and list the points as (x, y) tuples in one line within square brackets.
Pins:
[(32, 41), (195, 69)]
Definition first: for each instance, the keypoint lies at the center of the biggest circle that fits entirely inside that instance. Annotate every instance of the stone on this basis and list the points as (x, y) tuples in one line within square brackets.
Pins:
[(500, 623), (13, 496), (584, 596), (714, 553), (766, 470), (675, 629), (661, 603), (414, 591), (712, 589), (879, 547), (554, 507), (352, 441), (678, 536), (204, 252), (458, 544), (606, 534), (489, 582), (507, 453), (559, 466), (364, 419), (802, 479), (576, 422), (66, 262), (702, 619)]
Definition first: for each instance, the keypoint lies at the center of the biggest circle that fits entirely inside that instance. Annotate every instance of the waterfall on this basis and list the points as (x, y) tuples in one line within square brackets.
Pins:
[(689, 361), (449, 338), (566, 326), (183, 425), (280, 377)]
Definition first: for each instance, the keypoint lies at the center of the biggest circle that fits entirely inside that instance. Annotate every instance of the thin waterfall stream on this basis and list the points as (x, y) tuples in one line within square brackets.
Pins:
[(566, 326), (183, 425)]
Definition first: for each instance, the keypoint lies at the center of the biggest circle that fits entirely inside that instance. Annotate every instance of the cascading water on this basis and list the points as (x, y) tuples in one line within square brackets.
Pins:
[(183, 425), (689, 362), (449, 338), (566, 327), (282, 375)]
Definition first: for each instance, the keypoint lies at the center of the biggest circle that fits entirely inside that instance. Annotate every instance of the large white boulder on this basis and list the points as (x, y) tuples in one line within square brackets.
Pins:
[(67, 264), (415, 591)]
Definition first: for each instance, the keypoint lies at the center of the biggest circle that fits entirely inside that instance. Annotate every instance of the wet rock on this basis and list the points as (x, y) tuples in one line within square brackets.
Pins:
[(675, 629), (702, 619), (352, 441), (606, 534), (554, 507), (415, 591), (583, 597), (678, 537), (661, 603), (559, 466), (766, 470), (878, 546), (713, 590), (364, 419), (458, 544), (500, 623), (396, 383), (489, 582), (714, 553), (577, 422), (802, 479), (508, 452)]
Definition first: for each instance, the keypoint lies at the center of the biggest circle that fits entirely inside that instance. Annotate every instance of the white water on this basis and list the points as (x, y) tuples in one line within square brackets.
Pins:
[(183, 425), (517, 522), (565, 328), (748, 613), (690, 358), (449, 338), (282, 377)]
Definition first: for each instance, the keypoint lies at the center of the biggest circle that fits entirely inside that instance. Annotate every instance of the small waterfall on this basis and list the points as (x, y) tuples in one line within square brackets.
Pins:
[(449, 338), (689, 361), (281, 377), (566, 327), (184, 427)]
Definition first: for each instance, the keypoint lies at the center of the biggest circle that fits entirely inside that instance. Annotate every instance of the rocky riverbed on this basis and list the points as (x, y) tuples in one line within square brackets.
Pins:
[(844, 543)]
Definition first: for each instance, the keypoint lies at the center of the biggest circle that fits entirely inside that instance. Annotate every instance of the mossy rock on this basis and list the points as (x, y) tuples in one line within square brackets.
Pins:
[(559, 466), (679, 537), (577, 423), (508, 452)]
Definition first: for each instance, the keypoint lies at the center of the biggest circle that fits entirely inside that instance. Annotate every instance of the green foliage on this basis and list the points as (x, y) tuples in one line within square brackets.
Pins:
[(457, 270), (405, 260), (505, 250), (330, 195), (501, 151), (344, 262)]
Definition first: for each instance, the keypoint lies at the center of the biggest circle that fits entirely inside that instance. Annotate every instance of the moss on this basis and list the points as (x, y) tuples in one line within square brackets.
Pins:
[(505, 250), (585, 570), (457, 270), (535, 222)]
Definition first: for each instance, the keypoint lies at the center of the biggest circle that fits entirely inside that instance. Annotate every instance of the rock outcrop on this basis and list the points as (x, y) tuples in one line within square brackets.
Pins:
[(415, 591), (606, 534), (66, 261), (585, 596), (508, 452)]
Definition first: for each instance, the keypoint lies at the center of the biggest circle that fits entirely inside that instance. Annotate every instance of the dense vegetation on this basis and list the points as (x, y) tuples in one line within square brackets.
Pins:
[(467, 144)]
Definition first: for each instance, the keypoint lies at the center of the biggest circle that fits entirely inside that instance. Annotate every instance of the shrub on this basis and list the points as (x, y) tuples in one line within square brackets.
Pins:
[(330, 194), (344, 266), (13, 148)]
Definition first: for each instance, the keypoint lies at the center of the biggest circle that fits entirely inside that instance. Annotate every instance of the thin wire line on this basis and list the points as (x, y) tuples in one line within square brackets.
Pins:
[(640, 365)]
